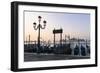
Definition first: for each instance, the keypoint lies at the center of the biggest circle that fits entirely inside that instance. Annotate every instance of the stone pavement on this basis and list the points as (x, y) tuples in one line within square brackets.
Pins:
[(45, 57)]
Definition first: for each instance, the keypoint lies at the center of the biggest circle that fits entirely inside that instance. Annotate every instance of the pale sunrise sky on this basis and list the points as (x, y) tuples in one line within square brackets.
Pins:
[(74, 24)]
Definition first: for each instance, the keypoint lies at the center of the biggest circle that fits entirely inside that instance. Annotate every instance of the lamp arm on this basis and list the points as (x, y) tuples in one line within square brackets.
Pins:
[(42, 27), (35, 28)]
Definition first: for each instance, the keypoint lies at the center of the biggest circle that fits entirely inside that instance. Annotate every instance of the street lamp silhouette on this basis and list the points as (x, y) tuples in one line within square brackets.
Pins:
[(38, 27)]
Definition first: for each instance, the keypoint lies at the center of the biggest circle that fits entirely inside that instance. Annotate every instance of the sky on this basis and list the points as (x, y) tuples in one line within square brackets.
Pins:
[(74, 24)]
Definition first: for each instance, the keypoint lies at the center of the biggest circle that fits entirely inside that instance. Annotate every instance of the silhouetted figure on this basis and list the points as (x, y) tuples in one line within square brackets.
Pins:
[(83, 51), (76, 50), (88, 49)]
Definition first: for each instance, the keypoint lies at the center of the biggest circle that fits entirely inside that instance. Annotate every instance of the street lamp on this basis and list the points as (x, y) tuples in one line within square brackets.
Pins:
[(38, 27)]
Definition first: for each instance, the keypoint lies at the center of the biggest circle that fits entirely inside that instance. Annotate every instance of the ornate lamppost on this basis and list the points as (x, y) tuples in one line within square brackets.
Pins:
[(38, 27)]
